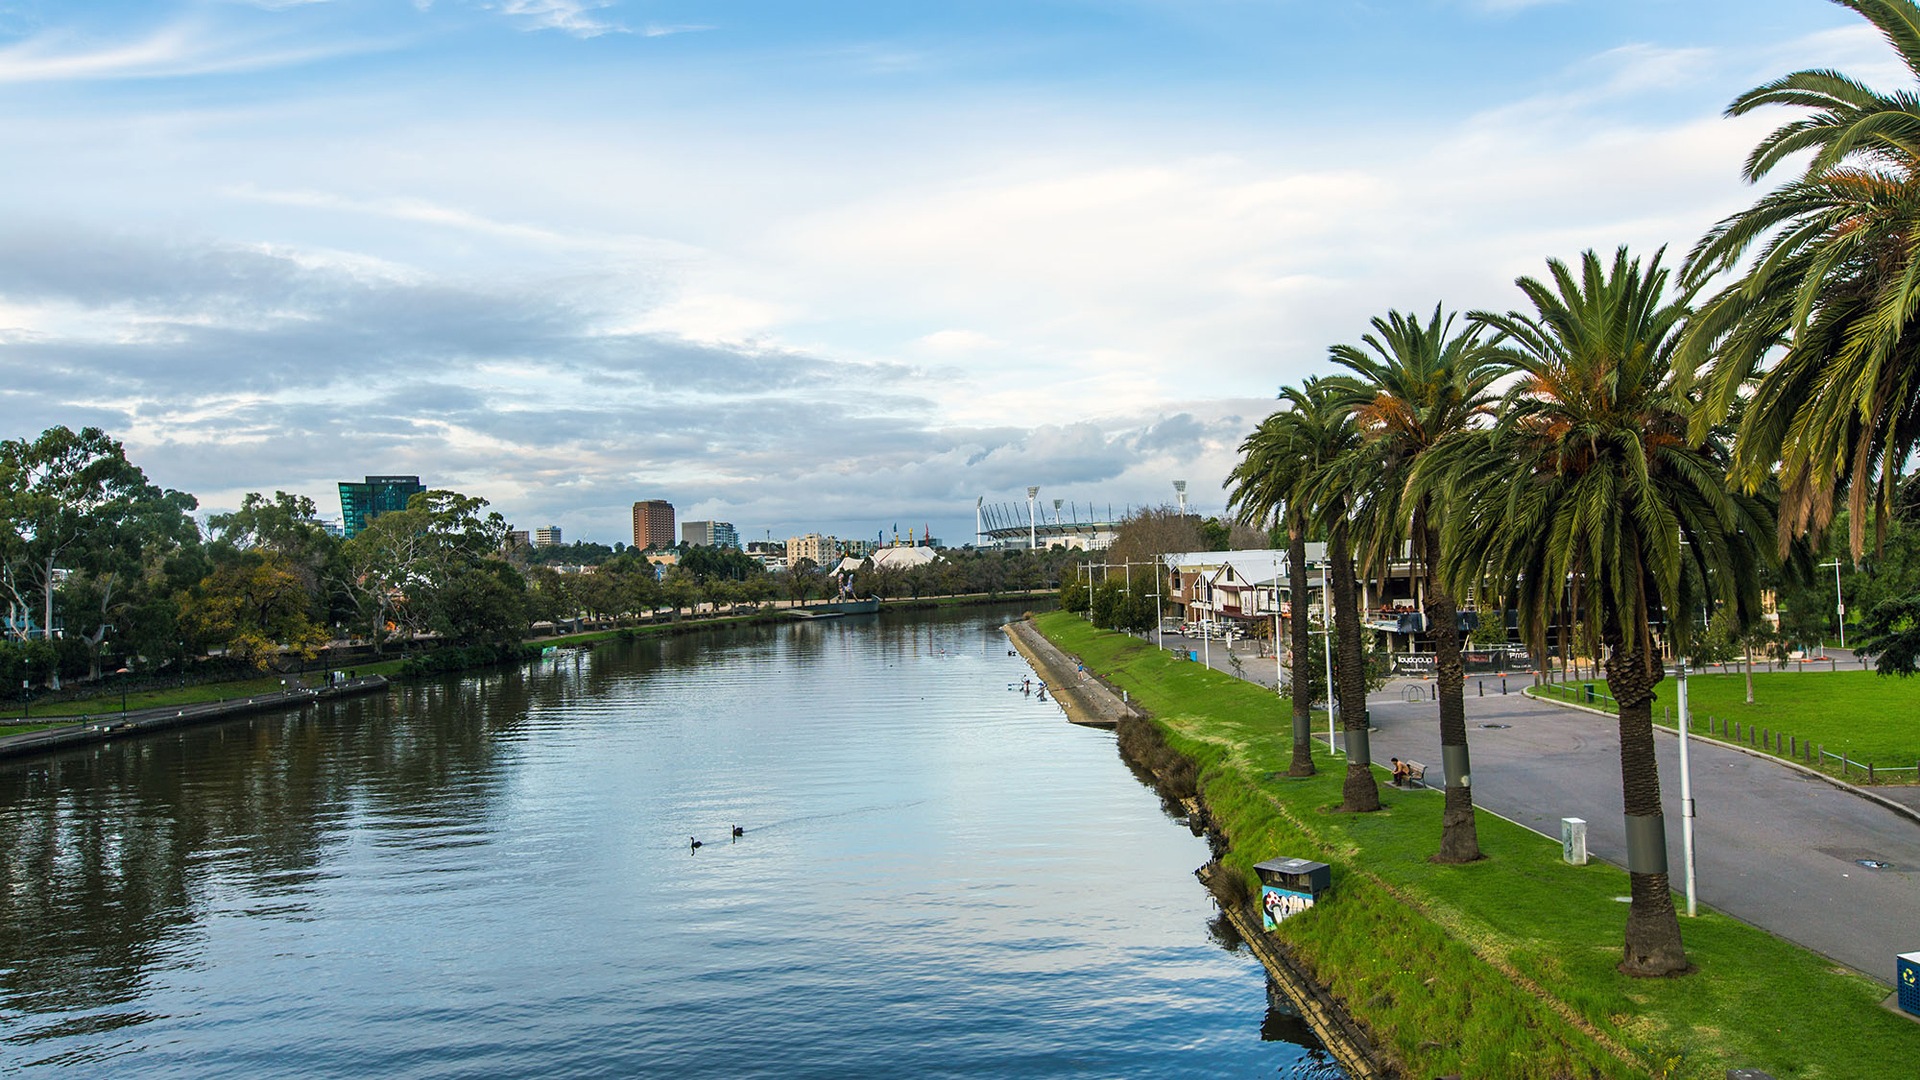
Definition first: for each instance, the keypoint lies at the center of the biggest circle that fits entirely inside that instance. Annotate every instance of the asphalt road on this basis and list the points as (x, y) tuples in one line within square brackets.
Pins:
[(1773, 846)]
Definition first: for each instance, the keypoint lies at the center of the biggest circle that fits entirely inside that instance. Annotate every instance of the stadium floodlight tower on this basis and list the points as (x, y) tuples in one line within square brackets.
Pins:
[(1180, 489), (1033, 533), (979, 537), (1056, 510)]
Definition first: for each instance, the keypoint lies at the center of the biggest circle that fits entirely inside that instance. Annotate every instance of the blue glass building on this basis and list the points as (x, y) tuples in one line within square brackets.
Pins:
[(362, 502)]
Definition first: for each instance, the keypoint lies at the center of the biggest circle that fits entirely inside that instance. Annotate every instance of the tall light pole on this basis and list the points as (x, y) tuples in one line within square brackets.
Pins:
[(1180, 489), (1839, 604), (979, 536), (1686, 793), (1206, 626), (1326, 617), (1033, 535)]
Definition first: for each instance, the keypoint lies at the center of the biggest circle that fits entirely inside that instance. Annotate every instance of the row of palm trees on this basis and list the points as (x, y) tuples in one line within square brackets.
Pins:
[(1620, 452)]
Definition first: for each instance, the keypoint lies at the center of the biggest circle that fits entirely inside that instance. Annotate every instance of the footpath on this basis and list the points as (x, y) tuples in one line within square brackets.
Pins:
[(1789, 852), (92, 729)]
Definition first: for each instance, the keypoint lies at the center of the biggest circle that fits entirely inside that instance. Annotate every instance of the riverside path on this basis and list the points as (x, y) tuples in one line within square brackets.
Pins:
[(1774, 846)]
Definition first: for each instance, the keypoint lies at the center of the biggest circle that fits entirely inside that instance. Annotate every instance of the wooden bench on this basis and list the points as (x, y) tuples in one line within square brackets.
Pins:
[(1416, 774)]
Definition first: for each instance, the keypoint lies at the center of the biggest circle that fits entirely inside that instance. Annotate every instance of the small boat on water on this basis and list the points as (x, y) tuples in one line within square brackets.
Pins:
[(838, 608)]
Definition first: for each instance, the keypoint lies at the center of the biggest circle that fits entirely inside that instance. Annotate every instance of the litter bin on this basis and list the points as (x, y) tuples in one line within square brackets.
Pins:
[(1908, 980), (1289, 887), (1193, 656)]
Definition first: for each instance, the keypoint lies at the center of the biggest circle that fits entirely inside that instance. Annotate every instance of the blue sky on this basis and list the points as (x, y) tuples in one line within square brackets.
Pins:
[(807, 266)]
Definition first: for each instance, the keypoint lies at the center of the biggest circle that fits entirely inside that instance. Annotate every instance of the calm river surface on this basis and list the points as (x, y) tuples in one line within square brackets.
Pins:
[(490, 876)]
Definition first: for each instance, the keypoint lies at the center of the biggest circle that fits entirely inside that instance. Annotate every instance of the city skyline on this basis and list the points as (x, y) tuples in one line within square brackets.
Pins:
[(798, 270)]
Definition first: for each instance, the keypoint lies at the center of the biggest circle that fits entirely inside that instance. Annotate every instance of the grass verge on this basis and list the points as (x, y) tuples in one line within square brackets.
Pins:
[(1504, 968), (1868, 717)]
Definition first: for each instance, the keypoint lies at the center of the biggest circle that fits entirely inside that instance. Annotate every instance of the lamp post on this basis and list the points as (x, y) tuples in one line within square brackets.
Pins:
[(1839, 604), (123, 673), (1686, 794), (1279, 669), (1033, 533), (1326, 617)]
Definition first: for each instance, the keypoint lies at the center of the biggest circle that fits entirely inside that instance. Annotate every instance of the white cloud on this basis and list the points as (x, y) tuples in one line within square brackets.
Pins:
[(178, 50), (567, 16)]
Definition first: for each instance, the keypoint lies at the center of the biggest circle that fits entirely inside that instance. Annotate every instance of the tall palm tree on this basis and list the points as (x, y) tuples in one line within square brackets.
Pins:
[(1429, 385), (1593, 476), (1337, 494), (1835, 283), (1266, 487)]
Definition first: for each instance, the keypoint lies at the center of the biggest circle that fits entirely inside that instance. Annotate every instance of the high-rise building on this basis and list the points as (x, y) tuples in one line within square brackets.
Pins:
[(653, 524), (713, 534), (547, 537), (361, 503), (823, 550)]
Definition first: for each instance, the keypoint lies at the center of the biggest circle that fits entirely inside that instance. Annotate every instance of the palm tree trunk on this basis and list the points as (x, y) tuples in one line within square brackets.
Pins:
[(1459, 840), (1653, 945), (1302, 764), (1361, 792)]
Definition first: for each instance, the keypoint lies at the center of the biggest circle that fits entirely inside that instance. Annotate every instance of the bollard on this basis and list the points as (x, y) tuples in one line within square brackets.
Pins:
[(1573, 841), (1736, 731), (1503, 686), (1793, 746), (1482, 684), (1433, 692), (1869, 772)]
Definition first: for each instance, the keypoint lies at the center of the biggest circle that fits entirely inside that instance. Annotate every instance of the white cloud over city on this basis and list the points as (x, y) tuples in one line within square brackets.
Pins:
[(531, 252)]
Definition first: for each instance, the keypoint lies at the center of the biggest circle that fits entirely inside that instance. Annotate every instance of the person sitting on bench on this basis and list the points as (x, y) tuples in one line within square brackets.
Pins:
[(1402, 775)]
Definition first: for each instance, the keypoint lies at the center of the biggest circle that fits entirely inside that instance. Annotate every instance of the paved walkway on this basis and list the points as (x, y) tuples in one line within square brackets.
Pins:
[(1774, 847)]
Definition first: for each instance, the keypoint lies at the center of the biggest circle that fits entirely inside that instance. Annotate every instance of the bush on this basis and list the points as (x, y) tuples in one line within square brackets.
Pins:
[(461, 658)]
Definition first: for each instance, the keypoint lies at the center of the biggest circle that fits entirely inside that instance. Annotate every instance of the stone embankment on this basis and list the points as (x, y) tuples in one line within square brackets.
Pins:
[(89, 729), (1088, 699), (1084, 696)]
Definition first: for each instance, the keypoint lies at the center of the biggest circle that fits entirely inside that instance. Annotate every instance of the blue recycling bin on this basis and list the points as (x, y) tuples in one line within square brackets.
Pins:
[(1193, 655), (1908, 979)]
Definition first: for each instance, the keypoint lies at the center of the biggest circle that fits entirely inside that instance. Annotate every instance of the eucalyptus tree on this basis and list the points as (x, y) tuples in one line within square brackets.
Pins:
[(1428, 386), (1833, 291), (1593, 475)]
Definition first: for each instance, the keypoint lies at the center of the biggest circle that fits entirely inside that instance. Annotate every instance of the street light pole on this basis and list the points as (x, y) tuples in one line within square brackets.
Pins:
[(1686, 794), (1839, 604), (1326, 616)]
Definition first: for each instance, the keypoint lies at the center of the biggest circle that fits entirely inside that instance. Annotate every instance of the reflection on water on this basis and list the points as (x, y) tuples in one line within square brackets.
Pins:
[(490, 875)]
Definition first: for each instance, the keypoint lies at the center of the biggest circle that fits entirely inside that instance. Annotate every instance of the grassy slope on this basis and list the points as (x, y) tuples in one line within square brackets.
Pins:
[(1503, 968), (1867, 716)]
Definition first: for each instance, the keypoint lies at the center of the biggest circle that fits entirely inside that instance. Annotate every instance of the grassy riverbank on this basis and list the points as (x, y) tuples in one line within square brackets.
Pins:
[(1504, 968), (1866, 716)]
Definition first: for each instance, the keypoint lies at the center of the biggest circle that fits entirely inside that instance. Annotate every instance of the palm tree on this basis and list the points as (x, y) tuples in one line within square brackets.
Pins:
[(1429, 386), (1278, 463), (1835, 283), (1593, 476), (1336, 493)]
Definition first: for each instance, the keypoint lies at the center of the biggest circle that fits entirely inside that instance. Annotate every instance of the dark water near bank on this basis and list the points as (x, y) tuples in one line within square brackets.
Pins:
[(490, 876)]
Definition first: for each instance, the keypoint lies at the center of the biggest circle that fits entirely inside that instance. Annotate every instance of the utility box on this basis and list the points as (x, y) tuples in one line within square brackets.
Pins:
[(1907, 979), (1573, 840), (1289, 887)]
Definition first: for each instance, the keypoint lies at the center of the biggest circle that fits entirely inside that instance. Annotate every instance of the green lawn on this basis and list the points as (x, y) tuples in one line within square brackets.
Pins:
[(1869, 717), (1503, 968)]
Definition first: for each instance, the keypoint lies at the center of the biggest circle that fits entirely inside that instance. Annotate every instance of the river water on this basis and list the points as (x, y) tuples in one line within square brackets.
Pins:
[(491, 876)]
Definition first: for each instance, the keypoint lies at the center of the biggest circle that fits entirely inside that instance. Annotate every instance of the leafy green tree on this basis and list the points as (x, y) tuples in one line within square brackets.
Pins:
[(482, 603), (71, 502), (402, 558), (1430, 386), (252, 607), (1834, 293), (1593, 476)]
